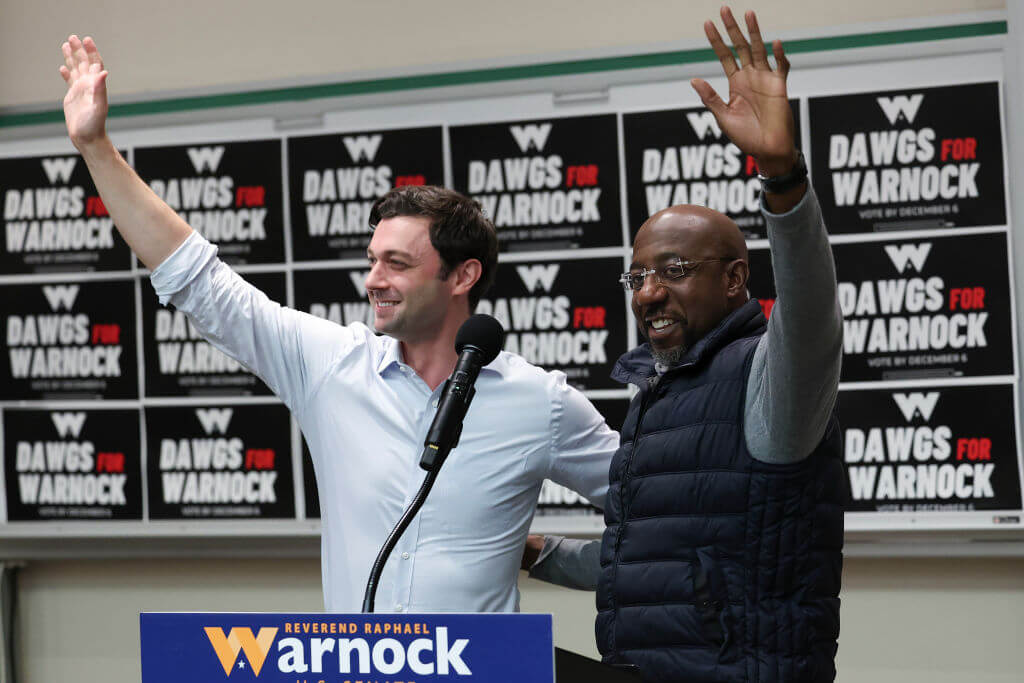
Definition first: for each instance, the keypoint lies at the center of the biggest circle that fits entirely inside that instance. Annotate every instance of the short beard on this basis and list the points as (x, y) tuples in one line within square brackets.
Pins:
[(669, 358)]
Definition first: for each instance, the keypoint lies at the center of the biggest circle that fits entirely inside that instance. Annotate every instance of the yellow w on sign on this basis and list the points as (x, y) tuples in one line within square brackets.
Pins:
[(227, 647)]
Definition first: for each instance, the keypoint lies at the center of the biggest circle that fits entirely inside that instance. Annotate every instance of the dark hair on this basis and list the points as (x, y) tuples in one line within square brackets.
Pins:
[(459, 230)]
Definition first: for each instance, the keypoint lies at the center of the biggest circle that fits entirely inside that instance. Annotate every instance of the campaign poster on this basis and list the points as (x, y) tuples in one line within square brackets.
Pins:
[(936, 307), (556, 499), (72, 464), (335, 294), (681, 156), (546, 184), (210, 647), (567, 315), (231, 192), (69, 341), (54, 219), (910, 159), (941, 449), (179, 362), (219, 461), (334, 180)]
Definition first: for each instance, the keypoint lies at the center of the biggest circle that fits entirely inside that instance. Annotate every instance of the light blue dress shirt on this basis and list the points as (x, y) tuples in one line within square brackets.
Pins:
[(365, 413)]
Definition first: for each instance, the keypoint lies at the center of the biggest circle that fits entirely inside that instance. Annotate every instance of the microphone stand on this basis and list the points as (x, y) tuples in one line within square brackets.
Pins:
[(396, 533)]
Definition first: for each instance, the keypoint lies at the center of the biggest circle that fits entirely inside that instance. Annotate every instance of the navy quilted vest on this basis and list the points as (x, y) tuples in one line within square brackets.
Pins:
[(715, 566)]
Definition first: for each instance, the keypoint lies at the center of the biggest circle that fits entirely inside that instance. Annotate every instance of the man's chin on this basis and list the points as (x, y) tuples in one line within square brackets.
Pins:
[(384, 326), (669, 356)]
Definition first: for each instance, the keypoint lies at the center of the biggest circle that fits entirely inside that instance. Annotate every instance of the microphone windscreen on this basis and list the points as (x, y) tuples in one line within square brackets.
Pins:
[(483, 332)]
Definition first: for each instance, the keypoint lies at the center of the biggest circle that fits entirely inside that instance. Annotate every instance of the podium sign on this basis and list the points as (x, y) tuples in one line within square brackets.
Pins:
[(207, 647)]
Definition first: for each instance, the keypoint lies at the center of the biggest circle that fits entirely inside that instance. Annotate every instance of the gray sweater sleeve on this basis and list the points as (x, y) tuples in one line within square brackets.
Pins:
[(569, 562), (794, 378)]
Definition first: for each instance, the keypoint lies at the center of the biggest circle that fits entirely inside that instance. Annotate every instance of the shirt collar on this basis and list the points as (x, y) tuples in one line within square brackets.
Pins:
[(392, 356)]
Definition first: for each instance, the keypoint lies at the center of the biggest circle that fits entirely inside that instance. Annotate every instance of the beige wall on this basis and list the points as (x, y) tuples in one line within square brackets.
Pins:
[(935, 620), (153, 47)]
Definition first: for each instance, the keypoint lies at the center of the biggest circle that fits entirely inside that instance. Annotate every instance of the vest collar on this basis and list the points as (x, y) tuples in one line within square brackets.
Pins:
[(635, 366)]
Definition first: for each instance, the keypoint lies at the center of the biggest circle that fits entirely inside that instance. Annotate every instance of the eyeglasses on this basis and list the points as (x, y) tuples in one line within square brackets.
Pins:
[(676, 269)]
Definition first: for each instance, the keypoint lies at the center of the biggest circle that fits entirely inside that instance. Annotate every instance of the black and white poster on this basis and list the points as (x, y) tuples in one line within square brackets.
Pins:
[(179, 362), (335, 294), (219, 461), (72, 464), (941, 449), (910, 159), (935, 307), (567, 315), (231, 192), (546, 184), (335, 179), (69, 341), (54, 219), (681, 156)]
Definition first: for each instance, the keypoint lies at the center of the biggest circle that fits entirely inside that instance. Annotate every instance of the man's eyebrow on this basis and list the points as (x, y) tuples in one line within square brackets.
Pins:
[(389, 253), (660, 258)]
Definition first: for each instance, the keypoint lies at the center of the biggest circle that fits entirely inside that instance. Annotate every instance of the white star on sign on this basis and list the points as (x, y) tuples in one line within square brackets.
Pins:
[(241, 665)]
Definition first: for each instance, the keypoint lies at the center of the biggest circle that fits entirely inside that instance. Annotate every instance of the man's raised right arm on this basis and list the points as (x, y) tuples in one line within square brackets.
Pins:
[(289, 350), (151, 228)]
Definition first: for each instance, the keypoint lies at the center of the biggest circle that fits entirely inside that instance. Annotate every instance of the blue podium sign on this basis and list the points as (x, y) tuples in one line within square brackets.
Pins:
[(208, 647)]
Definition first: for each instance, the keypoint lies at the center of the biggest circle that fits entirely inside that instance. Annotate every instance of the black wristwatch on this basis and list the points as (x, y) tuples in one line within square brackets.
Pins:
[(783, 183)]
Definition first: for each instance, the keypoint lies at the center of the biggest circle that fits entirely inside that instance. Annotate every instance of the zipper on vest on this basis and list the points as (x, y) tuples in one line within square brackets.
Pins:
[(645, 402), (653, 383)]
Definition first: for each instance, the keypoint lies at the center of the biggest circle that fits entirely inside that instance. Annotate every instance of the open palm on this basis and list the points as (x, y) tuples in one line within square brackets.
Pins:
[(85, 104), (757, 117)]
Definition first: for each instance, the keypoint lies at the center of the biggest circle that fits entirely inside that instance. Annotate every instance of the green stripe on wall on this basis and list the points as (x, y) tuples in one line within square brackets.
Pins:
[(507, 73)]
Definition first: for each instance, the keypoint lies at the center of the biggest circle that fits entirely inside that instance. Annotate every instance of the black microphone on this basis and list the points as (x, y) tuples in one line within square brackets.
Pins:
[(477, 342)]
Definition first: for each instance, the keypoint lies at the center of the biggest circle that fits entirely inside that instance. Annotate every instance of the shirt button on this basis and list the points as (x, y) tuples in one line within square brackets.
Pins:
[(403, 368), (398, 607), (405, 556), (434, 403)]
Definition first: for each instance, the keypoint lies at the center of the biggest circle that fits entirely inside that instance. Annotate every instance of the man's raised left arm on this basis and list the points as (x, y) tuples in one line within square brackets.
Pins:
[(794, 379)]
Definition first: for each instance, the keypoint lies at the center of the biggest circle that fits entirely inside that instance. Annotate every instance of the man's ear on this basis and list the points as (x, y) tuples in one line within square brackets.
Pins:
[(465, 275), (737, 274)]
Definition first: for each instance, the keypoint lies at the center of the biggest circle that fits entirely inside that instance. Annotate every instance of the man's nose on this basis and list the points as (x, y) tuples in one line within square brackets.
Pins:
[(376, 278), (651, 290)]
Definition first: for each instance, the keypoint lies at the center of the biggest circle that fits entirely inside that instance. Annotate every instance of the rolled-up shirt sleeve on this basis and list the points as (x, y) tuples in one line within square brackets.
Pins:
[(285, 348)]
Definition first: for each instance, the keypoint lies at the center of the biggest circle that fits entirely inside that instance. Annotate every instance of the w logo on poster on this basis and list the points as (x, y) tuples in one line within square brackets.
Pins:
[(903, 255), (214, 419), (68, 424), (241, 639), (60, 296), (538, 276), (205, 157), (59, 169), (359, 280), (917, 403), (901, 105), (704, 122), (533, 136), (362, 147)]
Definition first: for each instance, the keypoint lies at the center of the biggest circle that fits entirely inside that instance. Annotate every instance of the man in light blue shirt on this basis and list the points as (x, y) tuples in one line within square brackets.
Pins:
[(364, 402)]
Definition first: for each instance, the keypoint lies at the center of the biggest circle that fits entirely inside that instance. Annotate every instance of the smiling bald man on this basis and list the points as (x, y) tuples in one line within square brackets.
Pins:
[(722, 556)]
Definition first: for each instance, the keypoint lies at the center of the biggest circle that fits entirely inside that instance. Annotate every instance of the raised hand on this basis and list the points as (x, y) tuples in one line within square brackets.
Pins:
[(757, 117), (85, 104)]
